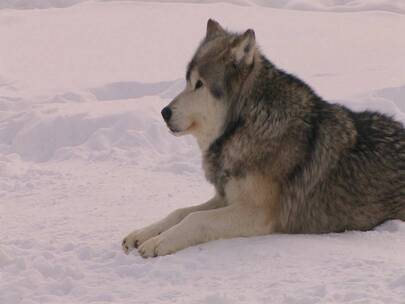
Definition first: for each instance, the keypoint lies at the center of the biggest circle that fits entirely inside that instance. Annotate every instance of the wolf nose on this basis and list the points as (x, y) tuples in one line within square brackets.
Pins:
[(166, 113)]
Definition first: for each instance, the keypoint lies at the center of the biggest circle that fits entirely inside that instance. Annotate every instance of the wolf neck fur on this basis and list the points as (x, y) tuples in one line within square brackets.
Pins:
[(205, 139), (233, 120)]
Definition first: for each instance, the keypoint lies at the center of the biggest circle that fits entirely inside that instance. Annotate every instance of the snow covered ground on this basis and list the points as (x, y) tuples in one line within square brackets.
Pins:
[(85, 157)]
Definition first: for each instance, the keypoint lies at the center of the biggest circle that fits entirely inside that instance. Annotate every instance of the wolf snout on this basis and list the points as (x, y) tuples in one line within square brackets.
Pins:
[(166, 113)]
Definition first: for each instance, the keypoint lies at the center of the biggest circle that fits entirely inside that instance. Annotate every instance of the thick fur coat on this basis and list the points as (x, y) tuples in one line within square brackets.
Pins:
[(280, 157)]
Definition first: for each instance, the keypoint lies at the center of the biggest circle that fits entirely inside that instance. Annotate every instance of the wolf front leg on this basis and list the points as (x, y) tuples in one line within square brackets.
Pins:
[(202, 226), (138, 237)]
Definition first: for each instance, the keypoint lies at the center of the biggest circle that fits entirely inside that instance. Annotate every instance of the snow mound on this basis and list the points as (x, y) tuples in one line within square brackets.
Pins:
[(394, 94), (389, 100), (336, 5), (39, 4), (304, 5), (93, 130), (392, 227), (127, 90)]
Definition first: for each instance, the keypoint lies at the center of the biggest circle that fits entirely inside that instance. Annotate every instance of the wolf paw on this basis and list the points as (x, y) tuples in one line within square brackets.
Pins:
[(135, 239), (154, 247)]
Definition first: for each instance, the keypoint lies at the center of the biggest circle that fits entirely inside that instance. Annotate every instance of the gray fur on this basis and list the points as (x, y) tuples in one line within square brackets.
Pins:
[(338, 170)]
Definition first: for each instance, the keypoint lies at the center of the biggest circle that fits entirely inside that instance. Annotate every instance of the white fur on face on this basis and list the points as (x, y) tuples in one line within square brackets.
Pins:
[(197, 112)]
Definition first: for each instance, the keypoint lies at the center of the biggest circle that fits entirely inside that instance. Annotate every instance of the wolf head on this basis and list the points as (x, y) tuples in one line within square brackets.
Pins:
[(215, 77)]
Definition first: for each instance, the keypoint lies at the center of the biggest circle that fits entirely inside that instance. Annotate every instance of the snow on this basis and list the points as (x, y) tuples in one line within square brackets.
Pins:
[(85, 157)]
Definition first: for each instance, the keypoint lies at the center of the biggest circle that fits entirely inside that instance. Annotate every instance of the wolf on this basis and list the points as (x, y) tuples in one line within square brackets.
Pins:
[(281, 159)]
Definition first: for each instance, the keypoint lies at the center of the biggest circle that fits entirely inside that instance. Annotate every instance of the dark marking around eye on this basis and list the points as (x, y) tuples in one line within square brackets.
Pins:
[(217, 92), (246, 49)]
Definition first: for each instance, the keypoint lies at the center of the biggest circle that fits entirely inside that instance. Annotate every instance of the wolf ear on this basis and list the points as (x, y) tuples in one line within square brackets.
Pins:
[(243, 47), (213, 29)]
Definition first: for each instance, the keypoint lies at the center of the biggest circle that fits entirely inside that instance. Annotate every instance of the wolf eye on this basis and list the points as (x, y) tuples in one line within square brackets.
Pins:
[(198, 84)]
